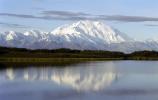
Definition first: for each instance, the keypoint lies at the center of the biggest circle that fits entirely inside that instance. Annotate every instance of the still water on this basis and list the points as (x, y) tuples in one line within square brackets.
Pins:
[(101, 80)]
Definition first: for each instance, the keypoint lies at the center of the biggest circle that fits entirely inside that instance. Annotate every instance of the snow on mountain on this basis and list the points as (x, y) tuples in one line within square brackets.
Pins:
[(93, 30), (86, 35), (91, 35)]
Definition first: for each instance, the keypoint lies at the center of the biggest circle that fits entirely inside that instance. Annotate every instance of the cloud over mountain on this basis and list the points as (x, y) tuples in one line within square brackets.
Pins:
[(13, 25)]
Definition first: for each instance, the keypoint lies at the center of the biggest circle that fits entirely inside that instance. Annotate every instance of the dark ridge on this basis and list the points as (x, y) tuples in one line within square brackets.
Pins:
[(68, 53)]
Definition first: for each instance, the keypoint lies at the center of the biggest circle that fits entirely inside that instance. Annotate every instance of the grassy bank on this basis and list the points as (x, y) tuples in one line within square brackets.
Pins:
[(15, 62), (53, 59), (64, 60)]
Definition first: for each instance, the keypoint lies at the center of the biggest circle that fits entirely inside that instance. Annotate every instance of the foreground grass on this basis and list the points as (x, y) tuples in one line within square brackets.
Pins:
[(61, 61), (52, 59), (20, 62), (26, 62)]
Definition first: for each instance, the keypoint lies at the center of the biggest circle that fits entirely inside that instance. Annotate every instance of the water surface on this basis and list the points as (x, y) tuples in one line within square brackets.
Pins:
[(111, 80)]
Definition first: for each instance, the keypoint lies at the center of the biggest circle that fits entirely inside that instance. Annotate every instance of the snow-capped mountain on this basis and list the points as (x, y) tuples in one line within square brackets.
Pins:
[(91, 30), (82, 35)]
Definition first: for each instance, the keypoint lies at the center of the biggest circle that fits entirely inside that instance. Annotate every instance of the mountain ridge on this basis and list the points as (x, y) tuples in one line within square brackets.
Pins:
[(82, 35)]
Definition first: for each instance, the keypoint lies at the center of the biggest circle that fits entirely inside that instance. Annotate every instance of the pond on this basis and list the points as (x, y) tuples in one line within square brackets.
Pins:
[(100, 80)]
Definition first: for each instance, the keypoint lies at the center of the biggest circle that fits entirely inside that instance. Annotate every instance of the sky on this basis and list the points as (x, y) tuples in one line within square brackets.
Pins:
[(136, 18)]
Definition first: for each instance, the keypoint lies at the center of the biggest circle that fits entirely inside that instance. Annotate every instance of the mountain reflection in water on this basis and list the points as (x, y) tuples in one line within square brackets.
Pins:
[(111, 80), (79, 78)]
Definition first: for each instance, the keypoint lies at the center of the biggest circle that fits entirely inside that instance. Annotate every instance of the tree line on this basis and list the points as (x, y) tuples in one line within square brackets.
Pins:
[(68, 53)]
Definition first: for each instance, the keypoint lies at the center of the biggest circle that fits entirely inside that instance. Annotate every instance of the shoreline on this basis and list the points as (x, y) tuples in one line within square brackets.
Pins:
[(63, 56), (60, 60)]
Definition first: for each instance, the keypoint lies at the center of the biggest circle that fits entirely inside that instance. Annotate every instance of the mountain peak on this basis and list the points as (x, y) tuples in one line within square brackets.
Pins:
[(91, 29), (88, 22), (10, 35)]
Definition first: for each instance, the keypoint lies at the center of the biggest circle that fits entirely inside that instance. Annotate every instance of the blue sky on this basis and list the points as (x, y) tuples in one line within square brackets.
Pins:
[(137, 18)]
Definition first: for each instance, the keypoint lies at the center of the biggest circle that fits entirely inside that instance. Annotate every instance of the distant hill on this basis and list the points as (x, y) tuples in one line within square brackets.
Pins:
[(68, 53)]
